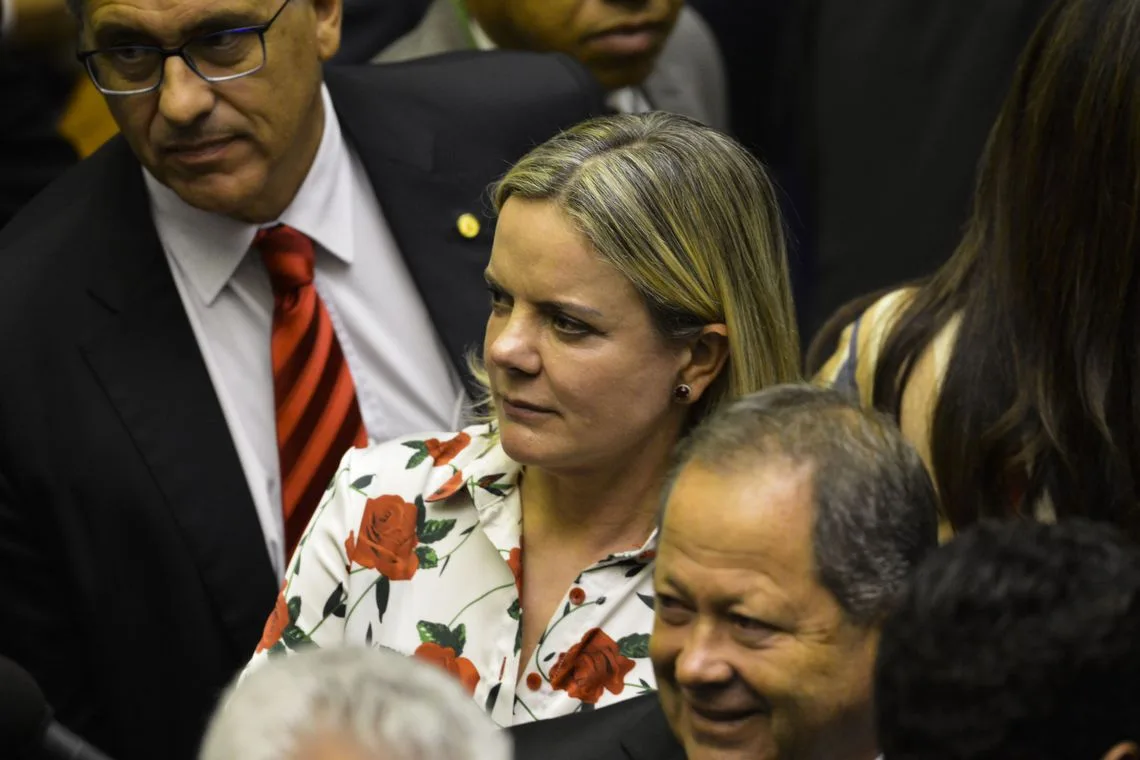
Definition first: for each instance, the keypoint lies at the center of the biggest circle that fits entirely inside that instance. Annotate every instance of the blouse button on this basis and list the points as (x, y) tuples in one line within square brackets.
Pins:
[(577, 595), (533, 681)]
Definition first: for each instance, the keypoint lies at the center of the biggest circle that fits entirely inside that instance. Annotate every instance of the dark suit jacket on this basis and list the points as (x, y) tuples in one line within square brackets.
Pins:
[(632, 730), (134, 579), (32, 152), (898, 98)]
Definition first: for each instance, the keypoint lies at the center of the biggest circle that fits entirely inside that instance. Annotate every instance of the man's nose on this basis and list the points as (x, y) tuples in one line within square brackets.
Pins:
[(184, 97), (702, 660)]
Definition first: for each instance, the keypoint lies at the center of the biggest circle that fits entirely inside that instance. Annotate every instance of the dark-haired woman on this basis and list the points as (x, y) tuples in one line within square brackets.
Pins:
[(1016, 368)]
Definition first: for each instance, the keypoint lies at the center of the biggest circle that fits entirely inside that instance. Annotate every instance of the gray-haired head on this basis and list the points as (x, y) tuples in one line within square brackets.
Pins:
[(379, 702), (876, 513)]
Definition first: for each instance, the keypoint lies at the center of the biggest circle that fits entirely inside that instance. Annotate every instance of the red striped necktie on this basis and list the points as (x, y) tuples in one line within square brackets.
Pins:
[(318, 419)]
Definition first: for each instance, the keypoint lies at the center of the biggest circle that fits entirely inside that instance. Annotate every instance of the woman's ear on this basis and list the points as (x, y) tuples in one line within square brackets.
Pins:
[(707, 354)]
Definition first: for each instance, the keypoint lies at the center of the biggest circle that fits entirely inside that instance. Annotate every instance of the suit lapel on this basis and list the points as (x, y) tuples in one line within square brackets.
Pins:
[(147, 360), (422, 207)]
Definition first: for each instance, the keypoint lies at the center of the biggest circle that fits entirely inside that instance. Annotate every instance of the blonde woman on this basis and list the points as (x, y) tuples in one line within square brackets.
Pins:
[(638, 281)]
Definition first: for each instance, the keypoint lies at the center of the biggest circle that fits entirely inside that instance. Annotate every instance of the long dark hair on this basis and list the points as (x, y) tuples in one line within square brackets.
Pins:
[(1041, 396)]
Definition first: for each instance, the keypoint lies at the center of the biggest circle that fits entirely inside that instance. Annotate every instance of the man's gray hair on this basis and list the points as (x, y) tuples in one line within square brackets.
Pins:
[(876, 511), (391, 706)]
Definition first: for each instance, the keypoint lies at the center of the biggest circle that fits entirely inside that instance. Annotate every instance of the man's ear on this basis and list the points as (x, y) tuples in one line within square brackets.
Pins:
[(706, 357), (1124, 751), (329, 14)]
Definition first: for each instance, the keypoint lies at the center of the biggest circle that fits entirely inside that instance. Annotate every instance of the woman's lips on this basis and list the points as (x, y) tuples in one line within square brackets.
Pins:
[(522, 411)]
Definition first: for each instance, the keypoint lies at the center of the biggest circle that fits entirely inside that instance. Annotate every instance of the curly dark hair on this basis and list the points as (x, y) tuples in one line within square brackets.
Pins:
[(1017, 640)]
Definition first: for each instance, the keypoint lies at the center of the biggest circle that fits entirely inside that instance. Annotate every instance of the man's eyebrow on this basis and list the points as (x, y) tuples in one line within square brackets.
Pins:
[(112, 32), (668, 579)]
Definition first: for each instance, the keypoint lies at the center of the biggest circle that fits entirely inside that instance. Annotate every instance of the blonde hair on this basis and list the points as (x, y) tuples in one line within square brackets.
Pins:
[(692, 220)]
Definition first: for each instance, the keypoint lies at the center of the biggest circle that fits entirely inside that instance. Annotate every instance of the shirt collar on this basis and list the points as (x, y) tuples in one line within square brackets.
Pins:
[(482, 40), (209, 247)]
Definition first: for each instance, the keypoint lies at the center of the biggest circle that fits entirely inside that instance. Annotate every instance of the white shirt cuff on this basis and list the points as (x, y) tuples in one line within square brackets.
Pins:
[(7, 18)]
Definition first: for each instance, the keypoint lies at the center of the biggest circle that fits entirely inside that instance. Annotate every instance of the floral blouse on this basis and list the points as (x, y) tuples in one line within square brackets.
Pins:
[(416, 547)]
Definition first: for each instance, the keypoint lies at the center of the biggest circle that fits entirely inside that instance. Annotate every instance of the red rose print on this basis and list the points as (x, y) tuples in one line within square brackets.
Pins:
[(387, 540), (444, 657), (276, 624), (442, 453), (514, 562), (447, 489), (533, 681), (592, 666), (577, 596)]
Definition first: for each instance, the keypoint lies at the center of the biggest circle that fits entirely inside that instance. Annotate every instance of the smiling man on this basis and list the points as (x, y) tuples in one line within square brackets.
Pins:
[(791, 525), (274, 261), (649, 54)]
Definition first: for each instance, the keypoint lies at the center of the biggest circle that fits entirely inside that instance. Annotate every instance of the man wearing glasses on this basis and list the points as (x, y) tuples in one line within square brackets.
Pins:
[(272, 263)]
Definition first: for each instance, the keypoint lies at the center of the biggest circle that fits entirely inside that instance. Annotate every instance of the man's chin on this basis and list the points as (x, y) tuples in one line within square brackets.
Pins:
[(217, 193), (747, 739), (616, 76), (753, 751)]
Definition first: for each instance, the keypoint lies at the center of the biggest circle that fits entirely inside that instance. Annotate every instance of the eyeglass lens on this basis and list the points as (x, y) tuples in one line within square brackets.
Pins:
[(219, 56)]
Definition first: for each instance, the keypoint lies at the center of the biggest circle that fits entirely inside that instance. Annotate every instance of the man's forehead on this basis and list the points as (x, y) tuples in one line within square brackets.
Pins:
[(762, 515), (171, 18), (755, 490)]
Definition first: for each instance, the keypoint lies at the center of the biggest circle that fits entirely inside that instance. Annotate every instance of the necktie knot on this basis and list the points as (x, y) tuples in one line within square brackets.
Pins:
[(289, 258)]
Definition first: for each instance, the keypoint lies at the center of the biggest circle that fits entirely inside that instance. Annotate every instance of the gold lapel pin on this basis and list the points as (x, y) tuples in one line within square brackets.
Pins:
[(468, 226)]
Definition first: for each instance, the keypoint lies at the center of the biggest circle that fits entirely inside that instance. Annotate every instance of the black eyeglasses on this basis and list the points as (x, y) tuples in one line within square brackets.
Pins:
[(216, 57)]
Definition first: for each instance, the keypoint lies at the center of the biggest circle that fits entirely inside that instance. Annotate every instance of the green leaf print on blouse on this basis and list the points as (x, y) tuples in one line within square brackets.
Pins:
[(494, 484), (436, 530), (281, 631), (441, 452), (443, 646), (428, 558), (335, 604), (635, 646), (438, 633)]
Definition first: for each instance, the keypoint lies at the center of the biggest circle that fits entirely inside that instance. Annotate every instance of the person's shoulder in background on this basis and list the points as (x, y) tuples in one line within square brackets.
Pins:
[(853, 341), (691, 70), (491, 99)]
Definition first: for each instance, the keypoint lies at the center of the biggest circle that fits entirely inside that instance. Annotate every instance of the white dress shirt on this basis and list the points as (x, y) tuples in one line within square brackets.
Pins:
[(404, 379), (625, 100)]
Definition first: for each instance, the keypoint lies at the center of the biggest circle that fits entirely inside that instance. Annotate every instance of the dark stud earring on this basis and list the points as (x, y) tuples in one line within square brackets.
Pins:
[(682, 392)]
